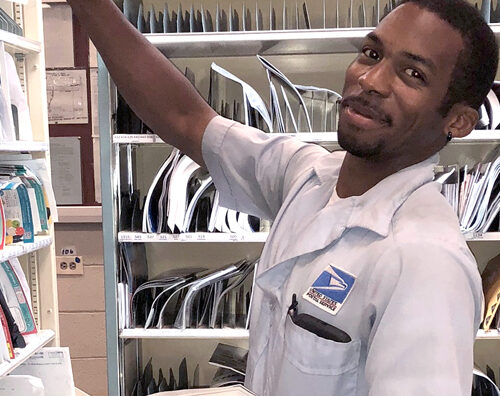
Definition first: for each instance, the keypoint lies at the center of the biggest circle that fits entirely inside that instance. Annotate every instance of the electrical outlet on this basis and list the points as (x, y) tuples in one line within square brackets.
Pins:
[(69, 265)]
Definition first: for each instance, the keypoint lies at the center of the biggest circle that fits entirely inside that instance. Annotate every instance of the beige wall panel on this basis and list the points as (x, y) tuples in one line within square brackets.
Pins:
[(84, 334), (82, 292), (86, 238), (90, 376)]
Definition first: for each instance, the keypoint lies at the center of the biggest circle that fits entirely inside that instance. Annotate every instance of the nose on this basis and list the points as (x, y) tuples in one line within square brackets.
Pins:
[(376, 80)]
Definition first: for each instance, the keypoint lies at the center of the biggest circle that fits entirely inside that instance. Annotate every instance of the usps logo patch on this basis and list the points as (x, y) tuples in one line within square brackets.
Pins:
[(330, 290)]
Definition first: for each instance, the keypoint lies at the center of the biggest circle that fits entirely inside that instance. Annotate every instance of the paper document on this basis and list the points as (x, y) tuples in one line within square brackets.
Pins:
[(53, 366), (67, 96), (234, 390)]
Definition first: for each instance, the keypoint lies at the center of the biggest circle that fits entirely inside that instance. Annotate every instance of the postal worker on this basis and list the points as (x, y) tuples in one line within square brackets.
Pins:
[(365, 285)]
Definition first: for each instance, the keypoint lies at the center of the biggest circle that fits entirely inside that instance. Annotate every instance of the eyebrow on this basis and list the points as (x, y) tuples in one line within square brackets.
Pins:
[(414, 57), (420, 59)]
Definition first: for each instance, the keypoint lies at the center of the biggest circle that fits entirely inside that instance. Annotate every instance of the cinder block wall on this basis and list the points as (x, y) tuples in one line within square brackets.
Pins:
[(81, 306)]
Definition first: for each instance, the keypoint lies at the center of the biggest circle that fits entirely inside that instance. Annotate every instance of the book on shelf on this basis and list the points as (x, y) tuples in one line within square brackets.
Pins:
[(16, 312)]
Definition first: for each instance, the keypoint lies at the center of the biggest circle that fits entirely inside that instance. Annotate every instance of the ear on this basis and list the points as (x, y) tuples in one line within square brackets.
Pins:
[(460, 120)]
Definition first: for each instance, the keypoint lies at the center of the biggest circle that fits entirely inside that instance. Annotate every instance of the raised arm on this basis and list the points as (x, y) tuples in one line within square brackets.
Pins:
[(157, 92)]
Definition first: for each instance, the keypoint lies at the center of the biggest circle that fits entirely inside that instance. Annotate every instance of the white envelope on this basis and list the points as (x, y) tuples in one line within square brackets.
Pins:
[(25, 385)]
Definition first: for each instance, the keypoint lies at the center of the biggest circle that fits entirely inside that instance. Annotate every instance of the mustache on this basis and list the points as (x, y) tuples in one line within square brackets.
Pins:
[(366, 106)]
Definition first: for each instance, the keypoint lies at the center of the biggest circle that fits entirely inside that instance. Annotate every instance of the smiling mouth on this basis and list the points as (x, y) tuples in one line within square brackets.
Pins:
[(363, 118)]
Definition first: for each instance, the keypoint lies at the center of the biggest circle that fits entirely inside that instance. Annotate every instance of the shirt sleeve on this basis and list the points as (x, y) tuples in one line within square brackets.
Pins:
[(422, 340), (252, 170)]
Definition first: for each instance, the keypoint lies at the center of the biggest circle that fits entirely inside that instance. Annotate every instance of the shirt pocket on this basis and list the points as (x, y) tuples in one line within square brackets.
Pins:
[(316, 366)]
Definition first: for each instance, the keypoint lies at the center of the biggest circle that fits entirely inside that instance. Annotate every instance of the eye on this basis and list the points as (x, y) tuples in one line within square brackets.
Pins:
[(414, 74), (370, 53)]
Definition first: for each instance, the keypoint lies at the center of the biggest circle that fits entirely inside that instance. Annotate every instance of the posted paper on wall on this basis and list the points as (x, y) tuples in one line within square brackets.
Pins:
[(65, 159), (67, 96)]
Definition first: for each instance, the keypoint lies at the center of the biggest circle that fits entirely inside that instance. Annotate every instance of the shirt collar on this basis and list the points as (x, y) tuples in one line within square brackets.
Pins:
[(375, 209)]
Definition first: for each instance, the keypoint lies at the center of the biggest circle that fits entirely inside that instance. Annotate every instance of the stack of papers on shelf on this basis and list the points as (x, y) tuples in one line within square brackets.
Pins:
[(169, 17), (232, 358), (484, 385), (53, 366), (490, 13), (128, 122), (146, 384), (489, 112), (186, 298), (234, 390), (235, 99), (478, 191), (299, 108), (182, 198), (293, 108), (15, 122), (185, 384), (26, 385)]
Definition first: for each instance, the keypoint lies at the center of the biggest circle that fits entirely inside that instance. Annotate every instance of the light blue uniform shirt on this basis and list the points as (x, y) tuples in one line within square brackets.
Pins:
[(410, 289)]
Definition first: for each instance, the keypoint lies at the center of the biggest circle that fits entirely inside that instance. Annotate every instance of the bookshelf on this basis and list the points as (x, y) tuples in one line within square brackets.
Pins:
[(38, 258)]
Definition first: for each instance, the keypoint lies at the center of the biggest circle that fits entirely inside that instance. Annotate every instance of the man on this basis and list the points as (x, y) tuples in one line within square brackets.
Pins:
[(366, 286)]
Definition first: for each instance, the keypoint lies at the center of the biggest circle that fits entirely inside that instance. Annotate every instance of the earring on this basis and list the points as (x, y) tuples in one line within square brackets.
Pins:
[(449, 137)]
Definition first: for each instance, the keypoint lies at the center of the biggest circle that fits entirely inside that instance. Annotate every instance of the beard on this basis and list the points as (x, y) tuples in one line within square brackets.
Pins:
[(356, 141), (350, 139)]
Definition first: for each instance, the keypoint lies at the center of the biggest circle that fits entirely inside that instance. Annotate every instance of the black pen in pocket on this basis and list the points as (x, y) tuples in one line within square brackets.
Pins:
[(315, 325)]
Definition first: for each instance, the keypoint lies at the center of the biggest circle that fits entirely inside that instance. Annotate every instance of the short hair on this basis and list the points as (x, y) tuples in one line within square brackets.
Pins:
[(476, 67)]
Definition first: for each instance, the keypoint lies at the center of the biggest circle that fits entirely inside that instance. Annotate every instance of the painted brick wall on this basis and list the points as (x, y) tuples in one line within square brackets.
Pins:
[(81, 307)]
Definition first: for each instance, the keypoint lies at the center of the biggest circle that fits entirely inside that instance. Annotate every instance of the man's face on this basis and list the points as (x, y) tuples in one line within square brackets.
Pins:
[(395, 86)]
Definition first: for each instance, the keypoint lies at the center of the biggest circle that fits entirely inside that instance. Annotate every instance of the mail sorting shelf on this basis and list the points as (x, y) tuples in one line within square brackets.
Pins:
[(145, 337), (231, 334), (313, 137), (256, 237), (288, 42), (218, 334), (208, 45)]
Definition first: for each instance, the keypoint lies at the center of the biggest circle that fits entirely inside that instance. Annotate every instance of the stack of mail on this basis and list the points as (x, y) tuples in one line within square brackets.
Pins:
[(298, 108), (233, 98), (220, 19), (15, 122), (193, 298), (226, 16), (484, 385), (474, 193), (231, 361), (489, 112), (182, 198), (293, 108), (448, 177), (490, 13), (146, 383)]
